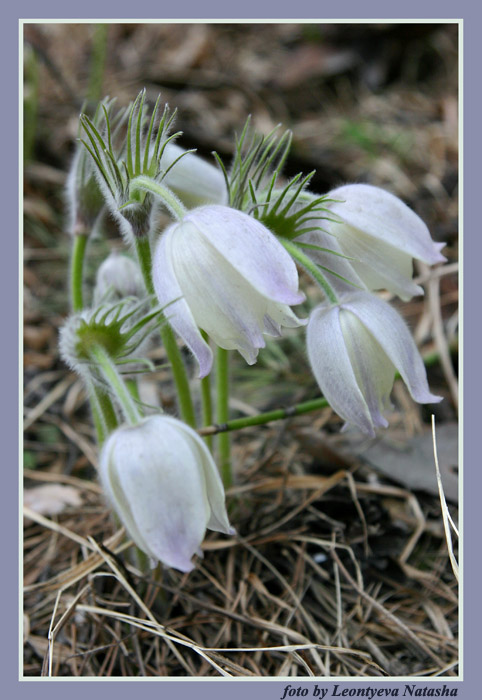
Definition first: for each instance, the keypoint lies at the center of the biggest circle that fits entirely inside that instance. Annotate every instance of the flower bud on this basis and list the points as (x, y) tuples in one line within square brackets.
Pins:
[(355, 348), (194, 180), (163, 484), (228, 275), (118, 277), (83, 195), (382, 235)]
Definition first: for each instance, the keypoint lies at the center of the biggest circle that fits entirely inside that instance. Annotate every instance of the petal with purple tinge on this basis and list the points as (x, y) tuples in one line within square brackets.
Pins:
[(219, 298), (373, 370), (331, 365), (380, 266), (385, 217), (250, 249), (178, 313), (389, 329)]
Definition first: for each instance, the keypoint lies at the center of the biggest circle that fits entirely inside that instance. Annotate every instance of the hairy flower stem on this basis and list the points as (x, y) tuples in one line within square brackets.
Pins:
[(222, 414), (168, 338), (76, 271), (164, 194), (133, 389), (111, 375), (310, 267), (206, 401), (103, 413), (98, 421), (107, 410)]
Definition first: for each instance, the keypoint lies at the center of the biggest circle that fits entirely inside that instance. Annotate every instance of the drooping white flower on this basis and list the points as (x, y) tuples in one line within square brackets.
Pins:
[(227, 275), (355, 348), (382, 235), (193, 179), (162, 482)]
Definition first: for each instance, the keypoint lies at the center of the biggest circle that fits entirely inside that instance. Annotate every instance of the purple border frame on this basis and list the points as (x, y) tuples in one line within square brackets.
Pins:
[(470, 14)]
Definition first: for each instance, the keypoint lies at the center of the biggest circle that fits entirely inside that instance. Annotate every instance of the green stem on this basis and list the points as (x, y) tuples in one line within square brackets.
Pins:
[(133, 389), (263, 418), (110, 373), (76, 271), (168, 338), (206, 401), (222, 414), (98, 422), (168, 198), (143, 249), (107, 410), (103, 413), (311, 267)]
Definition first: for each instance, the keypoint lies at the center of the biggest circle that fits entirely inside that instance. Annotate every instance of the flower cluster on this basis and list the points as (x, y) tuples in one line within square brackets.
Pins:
[(224, 272)]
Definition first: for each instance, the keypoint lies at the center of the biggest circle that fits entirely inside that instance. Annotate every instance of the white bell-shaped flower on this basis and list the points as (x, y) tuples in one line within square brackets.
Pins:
[(227, 275), (193, 179), (355, 348), (164, 485), (382, 235)]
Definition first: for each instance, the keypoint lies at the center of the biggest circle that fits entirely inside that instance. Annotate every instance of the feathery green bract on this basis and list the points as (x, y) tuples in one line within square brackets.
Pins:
[(139, 152), (252, 184), (257, 158), (120, 329), (84, 197), (281, 212)]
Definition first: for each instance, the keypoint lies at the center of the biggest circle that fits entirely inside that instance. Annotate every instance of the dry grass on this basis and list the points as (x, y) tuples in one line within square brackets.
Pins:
[(320, 581)]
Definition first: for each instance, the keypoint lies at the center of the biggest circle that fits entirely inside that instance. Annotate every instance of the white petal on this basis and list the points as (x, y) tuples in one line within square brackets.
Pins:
[(252, 250), (331, 365), (164, 484), (379, 265), (179, 314), (270, 327), (389, 329), (115, 493), (385, 217), (222, 302), (193, 179), (218, 519), (282, 315), (373, 370)]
